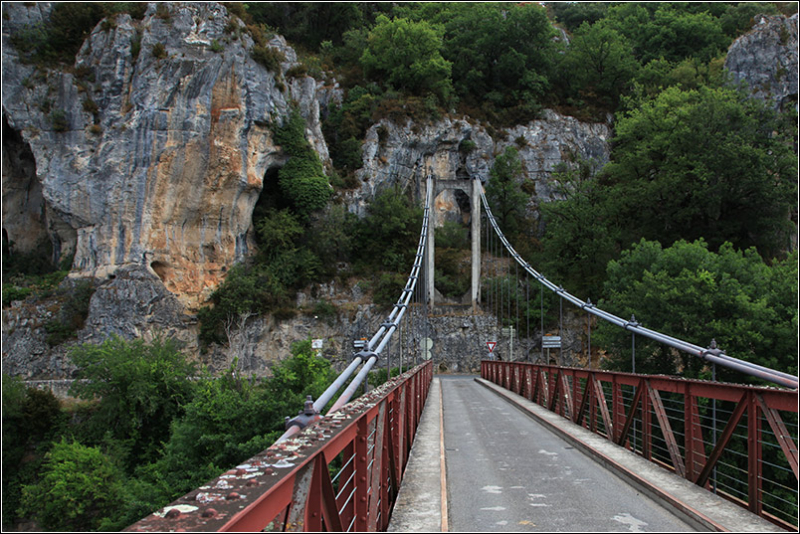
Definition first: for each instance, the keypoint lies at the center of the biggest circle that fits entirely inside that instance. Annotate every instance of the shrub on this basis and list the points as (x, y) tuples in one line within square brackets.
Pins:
[(58, 119), (12, 293), (73, 313), (90, 106), (79, 486), (216, 46), (302, 180), (162, 12), (136, 45), (159, 51), (466, 146), (269, 57), (388, 289)]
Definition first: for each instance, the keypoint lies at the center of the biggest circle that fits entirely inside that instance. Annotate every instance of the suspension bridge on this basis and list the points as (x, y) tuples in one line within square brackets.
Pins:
[(526, 446)]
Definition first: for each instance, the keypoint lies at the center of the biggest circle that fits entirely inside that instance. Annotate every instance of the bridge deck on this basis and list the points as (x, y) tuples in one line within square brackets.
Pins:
[(507, 471)]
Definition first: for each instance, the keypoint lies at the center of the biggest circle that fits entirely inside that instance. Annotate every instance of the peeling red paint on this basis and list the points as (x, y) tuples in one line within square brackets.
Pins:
[(285, 487)]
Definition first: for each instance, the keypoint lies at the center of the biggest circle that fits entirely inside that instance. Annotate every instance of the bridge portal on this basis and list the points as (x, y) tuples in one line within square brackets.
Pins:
[(472, 189)]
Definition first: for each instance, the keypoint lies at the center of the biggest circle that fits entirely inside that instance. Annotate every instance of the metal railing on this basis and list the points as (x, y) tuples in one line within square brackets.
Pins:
[(340, 475), (737, 441)]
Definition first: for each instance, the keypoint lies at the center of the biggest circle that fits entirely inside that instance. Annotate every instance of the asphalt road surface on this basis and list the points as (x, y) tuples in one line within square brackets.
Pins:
[(506, 472)]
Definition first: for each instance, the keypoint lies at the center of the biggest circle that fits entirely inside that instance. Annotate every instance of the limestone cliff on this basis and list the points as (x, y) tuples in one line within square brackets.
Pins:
[(459, 149), (765, 59), (147, 159)]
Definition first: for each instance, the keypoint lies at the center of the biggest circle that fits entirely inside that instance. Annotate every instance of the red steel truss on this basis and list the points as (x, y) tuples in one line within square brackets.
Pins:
[(341, 474), (687, 426)]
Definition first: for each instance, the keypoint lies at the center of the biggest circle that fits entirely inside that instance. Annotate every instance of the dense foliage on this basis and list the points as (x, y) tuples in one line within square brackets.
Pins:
[(151, 429), (690, 292)]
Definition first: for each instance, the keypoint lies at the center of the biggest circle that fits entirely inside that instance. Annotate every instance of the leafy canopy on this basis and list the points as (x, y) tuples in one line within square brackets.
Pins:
[(693, 293), (141, 387), (702, 164), (79, 487), (407, 55)]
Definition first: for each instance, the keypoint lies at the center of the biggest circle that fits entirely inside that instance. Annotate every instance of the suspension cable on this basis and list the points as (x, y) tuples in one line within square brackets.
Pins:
[(384, 334), (711, 354), (372, 350)]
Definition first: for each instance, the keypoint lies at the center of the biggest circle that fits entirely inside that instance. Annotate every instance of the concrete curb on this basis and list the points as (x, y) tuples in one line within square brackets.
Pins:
[(690, 502), (419, 502)]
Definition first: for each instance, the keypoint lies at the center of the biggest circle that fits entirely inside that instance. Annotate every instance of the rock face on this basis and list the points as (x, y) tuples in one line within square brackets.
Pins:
[(460, 150), (147, 160), (766, 60)]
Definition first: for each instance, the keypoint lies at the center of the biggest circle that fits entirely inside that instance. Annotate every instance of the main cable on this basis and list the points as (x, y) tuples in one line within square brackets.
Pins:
[(712, 354)]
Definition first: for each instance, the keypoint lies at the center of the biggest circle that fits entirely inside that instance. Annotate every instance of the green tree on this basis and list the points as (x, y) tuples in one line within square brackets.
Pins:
[(393, 222), (704, 163), (692, 293), (309, 23), (599, 65), (141, 388), (501, 54), (79, 487), (573, 14), (31, 418), (668, 30), (232, 418), (580, 233), (503, 191), (407, 55)]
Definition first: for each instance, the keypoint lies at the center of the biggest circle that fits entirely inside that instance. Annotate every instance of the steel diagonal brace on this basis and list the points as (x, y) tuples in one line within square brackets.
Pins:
[(623, 435), (666, 430), (785, 440), (724, 438)]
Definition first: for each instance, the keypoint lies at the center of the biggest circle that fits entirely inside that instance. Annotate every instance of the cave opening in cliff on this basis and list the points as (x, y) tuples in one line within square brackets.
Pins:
[(161, 269), (269, 199), (27, 248)]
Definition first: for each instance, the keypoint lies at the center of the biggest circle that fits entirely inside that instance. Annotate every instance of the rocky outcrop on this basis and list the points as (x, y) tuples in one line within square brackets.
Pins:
[(148, 159), (462, 150), (765, 59)]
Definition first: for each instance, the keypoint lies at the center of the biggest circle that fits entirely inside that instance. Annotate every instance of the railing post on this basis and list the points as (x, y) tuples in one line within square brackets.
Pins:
[(362, 479), (617, 407), (754, 454), (693, 437)]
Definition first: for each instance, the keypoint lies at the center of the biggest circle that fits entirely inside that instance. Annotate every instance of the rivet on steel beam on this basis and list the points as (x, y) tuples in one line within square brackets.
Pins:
[(251, 483), (232, 496), (208, 513), (174, 513)]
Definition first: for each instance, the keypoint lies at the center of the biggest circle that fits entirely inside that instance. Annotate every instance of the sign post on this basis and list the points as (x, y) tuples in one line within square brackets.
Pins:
[(551, 342), (491, 345)]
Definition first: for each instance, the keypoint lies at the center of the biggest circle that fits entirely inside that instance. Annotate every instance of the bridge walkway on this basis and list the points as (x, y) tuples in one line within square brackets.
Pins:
[(513, 466)]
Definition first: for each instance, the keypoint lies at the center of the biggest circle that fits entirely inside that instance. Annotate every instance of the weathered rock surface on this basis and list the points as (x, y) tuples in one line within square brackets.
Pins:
[(765, 59), (160, 161), (458, 149)]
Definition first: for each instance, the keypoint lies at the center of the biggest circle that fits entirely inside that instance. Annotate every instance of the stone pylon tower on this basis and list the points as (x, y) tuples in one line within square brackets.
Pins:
[(472, 188)]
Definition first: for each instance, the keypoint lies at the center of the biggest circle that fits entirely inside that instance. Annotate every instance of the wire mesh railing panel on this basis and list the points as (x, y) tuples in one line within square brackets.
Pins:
[(737, 441)]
